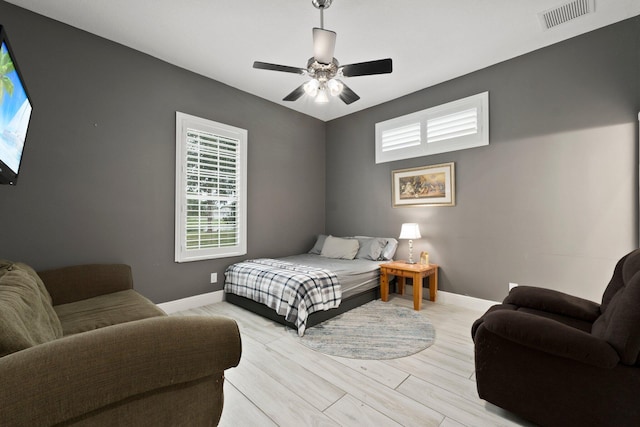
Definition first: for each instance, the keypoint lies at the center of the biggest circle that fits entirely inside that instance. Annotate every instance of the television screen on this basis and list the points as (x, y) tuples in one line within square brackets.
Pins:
[(15, 113)]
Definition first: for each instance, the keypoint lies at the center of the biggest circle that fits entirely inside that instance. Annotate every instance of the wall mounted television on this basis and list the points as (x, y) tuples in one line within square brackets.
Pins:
[(15, 113)]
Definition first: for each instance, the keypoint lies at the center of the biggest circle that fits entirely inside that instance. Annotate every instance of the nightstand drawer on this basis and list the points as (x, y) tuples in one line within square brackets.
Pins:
[(394, 271)]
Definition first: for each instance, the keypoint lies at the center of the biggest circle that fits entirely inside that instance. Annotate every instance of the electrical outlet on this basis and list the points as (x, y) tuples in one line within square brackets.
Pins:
[(214, 277), (512, 285)]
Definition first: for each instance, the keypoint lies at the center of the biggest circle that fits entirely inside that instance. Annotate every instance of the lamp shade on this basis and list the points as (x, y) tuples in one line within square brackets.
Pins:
[(311, 87), (410, 230)]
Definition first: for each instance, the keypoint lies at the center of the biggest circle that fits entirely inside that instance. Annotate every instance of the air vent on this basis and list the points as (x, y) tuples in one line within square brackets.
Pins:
[(565, 13)]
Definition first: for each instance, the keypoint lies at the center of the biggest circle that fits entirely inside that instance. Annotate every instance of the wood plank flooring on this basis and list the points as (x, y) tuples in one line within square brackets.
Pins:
[(280, 382)]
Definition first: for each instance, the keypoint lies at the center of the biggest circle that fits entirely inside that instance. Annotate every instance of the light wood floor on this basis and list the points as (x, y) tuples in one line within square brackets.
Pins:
[(279, 382)]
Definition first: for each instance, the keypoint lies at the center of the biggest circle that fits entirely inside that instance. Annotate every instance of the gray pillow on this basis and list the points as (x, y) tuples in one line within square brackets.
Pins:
[(317, 248), (389, 247), (370, 247), (336, 247)]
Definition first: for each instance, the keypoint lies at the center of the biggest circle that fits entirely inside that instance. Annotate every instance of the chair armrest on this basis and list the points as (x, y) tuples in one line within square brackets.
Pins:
[(552, 337), (65, 378), (553, 301), (75, 283)]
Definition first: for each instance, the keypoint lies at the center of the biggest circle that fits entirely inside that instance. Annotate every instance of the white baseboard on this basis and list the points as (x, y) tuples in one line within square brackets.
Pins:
[(464, 301), (192, 302), (218, 296), (449, 298)]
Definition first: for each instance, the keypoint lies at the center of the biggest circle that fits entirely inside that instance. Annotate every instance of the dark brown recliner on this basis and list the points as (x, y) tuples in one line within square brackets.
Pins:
[(560, 360)]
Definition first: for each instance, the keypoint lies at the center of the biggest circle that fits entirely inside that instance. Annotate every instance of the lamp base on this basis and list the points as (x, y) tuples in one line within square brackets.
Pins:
[(410, 262)]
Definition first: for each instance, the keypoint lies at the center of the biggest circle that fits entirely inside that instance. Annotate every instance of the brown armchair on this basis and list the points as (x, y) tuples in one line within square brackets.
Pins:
[(559, 360)]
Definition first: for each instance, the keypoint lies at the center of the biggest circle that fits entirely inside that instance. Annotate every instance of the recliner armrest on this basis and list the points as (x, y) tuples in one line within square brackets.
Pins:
[(78, 282), (552, 337), (553, 301), (63, 379)]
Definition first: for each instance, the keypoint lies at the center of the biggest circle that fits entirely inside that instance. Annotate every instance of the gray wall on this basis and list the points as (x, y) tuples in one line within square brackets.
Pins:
[(97, 179), (552, 201)]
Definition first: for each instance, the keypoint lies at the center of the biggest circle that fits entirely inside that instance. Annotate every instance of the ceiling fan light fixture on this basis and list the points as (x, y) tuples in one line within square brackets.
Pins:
[(322, 97), (311, 87), (335, 87), (323, 68)]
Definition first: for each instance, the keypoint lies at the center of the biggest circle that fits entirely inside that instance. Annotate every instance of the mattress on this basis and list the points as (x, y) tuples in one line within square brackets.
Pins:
[(355, 275)]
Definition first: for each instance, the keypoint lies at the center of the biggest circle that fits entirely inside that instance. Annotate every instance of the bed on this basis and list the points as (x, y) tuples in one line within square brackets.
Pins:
[(300, 291)]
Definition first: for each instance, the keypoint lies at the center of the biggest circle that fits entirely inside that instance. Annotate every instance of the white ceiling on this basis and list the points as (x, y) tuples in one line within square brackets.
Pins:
[(430, 41)]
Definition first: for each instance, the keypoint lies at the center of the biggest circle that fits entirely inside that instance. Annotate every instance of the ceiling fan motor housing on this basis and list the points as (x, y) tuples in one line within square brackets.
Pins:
[(322, 72)]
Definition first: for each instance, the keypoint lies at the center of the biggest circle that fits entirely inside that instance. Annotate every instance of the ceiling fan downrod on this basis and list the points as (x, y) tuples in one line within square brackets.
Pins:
[(322, 5)]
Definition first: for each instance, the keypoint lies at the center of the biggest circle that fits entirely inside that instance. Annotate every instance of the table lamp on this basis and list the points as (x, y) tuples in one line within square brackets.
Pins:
[(410, 231)]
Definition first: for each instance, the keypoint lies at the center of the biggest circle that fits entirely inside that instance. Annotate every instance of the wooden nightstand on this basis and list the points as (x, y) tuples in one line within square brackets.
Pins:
[(416, 272)]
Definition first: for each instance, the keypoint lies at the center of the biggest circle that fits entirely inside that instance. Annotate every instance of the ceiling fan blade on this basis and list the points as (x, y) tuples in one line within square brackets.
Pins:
[(347, 95), (276, 67), (381, 66), (324, 44), (297, 93)]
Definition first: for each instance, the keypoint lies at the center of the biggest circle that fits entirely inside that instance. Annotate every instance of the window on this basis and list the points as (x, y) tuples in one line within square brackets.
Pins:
[(211, 189), (449, 127)]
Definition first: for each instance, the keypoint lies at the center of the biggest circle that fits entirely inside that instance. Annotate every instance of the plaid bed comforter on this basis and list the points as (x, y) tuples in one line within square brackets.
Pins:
[(292, 290)]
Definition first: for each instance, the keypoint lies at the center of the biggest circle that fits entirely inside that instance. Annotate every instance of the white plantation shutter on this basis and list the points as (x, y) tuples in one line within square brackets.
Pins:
[(448, 127), (451, 126), (210, 189), (401, 137), (212, 168)]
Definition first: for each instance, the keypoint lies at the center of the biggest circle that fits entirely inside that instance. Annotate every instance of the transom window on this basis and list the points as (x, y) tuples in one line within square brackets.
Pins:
[(453, 126)]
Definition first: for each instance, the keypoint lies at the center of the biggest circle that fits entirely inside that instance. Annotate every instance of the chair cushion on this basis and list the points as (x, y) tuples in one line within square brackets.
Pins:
[(553, 302), (105, 310), (27, 317), (583, 325), (577, 323)]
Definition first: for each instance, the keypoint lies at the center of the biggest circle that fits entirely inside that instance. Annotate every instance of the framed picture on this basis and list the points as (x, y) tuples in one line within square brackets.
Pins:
[(425, 186)]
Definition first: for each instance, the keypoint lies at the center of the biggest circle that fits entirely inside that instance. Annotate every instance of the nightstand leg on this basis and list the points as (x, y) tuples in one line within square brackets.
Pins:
[(400, 280), (417, 292), (384, 286), (433, 285)]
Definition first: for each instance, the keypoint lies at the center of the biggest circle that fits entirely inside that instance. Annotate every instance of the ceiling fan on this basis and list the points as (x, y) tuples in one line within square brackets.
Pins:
[(324, 69)]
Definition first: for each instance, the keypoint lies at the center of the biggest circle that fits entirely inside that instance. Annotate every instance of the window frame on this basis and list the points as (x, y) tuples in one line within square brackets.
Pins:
[(183, 123), (479, 102)]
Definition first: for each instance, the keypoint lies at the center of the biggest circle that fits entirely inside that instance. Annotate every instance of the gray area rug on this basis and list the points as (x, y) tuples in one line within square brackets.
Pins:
[(374, 331)]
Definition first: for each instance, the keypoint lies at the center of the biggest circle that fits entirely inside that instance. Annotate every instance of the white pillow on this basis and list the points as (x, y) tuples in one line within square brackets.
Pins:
[(390, 249), (335, 247)]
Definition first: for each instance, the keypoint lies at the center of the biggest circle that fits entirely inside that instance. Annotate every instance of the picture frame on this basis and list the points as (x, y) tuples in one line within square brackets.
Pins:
[(424, 186)]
